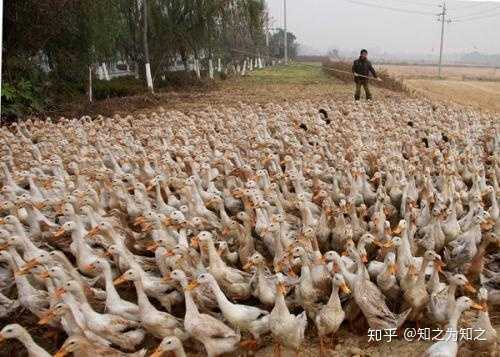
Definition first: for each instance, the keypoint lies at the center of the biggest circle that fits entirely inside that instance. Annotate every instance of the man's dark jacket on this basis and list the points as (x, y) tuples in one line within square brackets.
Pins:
[(363, 67)]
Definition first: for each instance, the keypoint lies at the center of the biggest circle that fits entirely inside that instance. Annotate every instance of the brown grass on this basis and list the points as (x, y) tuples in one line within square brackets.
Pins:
[(455, 72), (475, 86), (479, 94)]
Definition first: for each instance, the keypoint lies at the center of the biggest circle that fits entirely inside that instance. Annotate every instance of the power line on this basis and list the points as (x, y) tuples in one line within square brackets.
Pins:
[(474, 4), (391, 8), (480, 12), (473, 18), (418, 3)]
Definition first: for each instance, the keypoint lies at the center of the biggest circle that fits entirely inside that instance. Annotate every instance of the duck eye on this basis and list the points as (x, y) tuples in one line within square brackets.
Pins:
[(169, 342)]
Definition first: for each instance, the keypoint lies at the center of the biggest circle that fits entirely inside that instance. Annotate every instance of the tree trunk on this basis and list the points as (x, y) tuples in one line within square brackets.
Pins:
[(90, 84), (147, 66), (210, 69), (100, 74), (244, 69), (197, 68), (105, 71)]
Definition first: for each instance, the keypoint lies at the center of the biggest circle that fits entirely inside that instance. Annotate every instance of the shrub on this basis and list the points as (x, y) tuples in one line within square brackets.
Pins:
[(118, 87), (21, 98), (182, 79)]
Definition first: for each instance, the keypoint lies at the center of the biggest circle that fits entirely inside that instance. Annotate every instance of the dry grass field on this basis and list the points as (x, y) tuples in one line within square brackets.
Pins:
[(475, 86), (456, 73), (481, 94)]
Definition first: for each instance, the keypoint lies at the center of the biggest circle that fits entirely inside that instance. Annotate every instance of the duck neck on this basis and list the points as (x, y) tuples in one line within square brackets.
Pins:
[(213, 256), (222, 300), (404, 255), (434, 280), (28, 245), (28, 342), (453, 322), (159, 197), (451, 292), (142, 298), (421, 273), (222, 212), (279, 201), (16, 261), (19, 229), (297, 186), (111, 293), (493, 199), (307, 216), (183, 282), (83, 248), (350, 277), (261, 273), (278, 247), (191, 308), (453, 213), (305, 272), (280, 303), (179, 352), (92, 218), (182, 238), (354, 215), (334, 297), (84, 303)]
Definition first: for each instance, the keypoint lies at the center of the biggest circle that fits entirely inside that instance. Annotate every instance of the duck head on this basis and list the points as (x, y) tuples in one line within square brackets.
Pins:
[(11, 331), (129, 275), (339, 281), (168, 344)]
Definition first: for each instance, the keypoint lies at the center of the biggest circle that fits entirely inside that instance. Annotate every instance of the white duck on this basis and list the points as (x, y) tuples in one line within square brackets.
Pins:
[(217, 337), (487, 341), (114, 303), (158, 323), (242, 317), (448, 346), (287, 329), (331, 315)]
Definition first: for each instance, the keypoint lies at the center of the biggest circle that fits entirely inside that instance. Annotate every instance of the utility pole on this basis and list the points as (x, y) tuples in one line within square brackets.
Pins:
[(149, 79), (442, 18), (285, 39)]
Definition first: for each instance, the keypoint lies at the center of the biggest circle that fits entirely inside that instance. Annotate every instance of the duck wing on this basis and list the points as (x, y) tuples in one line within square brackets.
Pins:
[(234, 276), (209, 326)]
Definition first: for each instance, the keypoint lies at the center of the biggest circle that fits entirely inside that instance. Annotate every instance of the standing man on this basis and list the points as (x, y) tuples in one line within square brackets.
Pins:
[(361, 69)]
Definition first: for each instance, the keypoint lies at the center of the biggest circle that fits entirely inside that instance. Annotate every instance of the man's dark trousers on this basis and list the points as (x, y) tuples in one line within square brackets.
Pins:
[(364, 84)]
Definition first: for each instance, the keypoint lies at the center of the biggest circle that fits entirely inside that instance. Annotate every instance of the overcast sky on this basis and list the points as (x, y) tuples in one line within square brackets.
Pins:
[(349, 25)]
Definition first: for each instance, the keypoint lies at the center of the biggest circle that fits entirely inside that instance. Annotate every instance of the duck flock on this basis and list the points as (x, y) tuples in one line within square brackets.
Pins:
[(226, 229)]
